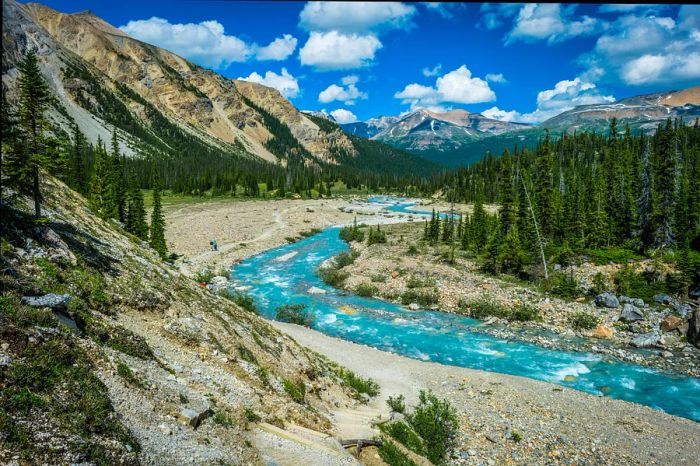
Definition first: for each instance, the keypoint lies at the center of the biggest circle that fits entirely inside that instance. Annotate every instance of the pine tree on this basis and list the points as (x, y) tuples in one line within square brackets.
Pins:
[(98, 194), (76, 171), (136, 213), (23, 164), (117, 183), (645, 232), (479, 225), (664, 185), (157, 221)]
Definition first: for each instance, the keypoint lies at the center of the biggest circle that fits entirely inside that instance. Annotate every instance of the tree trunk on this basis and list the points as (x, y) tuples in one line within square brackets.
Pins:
[(37, 196)]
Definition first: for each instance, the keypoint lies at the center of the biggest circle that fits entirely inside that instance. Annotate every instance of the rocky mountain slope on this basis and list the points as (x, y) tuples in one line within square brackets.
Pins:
[(111, 356), (459, 137), (104, 79)]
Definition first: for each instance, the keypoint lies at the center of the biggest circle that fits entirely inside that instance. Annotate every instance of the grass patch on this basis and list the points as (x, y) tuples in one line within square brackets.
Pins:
[(295, 314), (379, 278), (222, 419), (424, 298), (247, 355), (418, 282), (241, 299), (128, 375), (393, 456), (358, 384), (251, 416), (296, 391)]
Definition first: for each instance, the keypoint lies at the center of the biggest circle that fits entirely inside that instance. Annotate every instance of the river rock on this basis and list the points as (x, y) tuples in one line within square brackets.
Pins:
[(631, 313), (315, 290), (683, 309), (694, 328), (671, 323), (53, 301), (662, 298), (603, 332), (608, 300), (219, 281), (646, 340), (413, 306)]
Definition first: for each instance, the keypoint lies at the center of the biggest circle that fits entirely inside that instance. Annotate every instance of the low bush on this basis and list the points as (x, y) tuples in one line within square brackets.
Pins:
[(243, 300), (295, 314), (418, 282), (352, 233), (397, 403), (435, 421), (404, 434), (223, 419), (358, 384), (333, 276), (379, 278), (375, 236), (565, 286), (367, 290), (412, 250), (481, 309), (393, 456), (524, 313), (128, 375), (424, 298), (584, 321), (345, 258), (311, 232)]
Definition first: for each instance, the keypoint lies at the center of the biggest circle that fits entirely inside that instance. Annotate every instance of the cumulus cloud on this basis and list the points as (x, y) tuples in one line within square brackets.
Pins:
[(343, 116), (550, 22), (336, 51), (205, 43), (458, 86), (648, 50), (348, 93), (279, 49), (356, 17), (496, 78), (434, 71), (565, 95), (628, 7), (284, 82), (446, 10)]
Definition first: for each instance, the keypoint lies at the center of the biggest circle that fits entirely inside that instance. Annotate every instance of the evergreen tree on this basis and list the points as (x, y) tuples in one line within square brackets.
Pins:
[(479, 225), (99, 193), (157, 221), (136, 213), (23, 163), (76, 171), (117, 183), (665, 184)]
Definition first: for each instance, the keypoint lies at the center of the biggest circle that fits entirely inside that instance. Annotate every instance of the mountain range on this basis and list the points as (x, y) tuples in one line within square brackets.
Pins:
[(459, 137), (104, 80)]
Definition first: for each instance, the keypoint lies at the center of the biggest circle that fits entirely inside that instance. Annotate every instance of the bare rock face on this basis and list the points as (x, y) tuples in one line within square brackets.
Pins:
[(694, 328), (603, 332), (53, 301)]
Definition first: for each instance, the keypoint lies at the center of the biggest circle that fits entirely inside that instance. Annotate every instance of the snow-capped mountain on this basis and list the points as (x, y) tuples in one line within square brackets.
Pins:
[(369, 128)]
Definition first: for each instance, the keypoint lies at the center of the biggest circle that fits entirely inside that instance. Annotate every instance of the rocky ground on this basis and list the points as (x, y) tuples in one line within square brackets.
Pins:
[(652, 334), (557, 425)]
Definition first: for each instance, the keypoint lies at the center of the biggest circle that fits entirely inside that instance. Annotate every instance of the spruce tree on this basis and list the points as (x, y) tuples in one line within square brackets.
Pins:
[(157, 221), (76, 171), (23, 164), (99, 194), (136, 213), (117, 183)]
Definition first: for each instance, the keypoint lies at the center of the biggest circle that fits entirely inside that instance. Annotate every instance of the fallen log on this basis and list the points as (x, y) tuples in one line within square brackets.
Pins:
[(360, 443)]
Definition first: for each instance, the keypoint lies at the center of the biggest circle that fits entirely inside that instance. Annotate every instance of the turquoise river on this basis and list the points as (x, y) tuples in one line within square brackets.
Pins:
[(283, 275)]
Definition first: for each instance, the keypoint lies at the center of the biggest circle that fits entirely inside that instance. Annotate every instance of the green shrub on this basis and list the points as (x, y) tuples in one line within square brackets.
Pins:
[(379, 278), (404, 434), (222, 419), (599, 285), (251, 416), (128, 375), (639, 285), (295, 314), (481, 309), (333, 276), (358, 384), (243, 300), (392, 456), (524, 313), (311, 232), (565, 286), (352, 233), (345, 258), (426, 298), (412, 250), (375, 236), (584, 321), (435, 421), (367, 290), (247, 355), (516, 436), (397, 403), (296, 391), (418, 282)]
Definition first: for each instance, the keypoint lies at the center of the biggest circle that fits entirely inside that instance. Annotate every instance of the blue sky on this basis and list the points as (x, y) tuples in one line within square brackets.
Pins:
[(516, 62)]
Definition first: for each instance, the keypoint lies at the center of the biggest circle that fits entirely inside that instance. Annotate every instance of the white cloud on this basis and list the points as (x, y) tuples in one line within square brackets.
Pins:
[(285, 83), (347, 94), (647, 50), (457, 86), (496, 113), (349, 80), (565, 95), (496, 78), (356, 17), (548, 21), (343, 116), (446, 10), (204, 43), (495, 15), (628, 7), (434, 71), (279, 49), (335, 51)]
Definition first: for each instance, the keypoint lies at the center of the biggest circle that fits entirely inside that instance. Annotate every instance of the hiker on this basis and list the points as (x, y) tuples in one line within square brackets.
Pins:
[(216, 245), (212, 245)]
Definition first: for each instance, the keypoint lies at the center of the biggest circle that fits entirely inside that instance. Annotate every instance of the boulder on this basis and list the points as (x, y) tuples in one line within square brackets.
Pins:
[(53, 301), (683, 309), (694, 328), (413, 306), (671, 323), (634, 301), (662, 298), (194, 418), (603, 332), (219, 281), (646, 340), (631, 313), (608, 300), (315, 290)]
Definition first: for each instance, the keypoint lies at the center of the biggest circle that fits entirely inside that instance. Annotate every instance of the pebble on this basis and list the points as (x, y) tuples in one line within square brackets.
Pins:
[(471, 452)]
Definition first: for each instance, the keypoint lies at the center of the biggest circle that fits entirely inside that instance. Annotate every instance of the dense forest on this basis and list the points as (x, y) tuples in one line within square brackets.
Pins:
[(629, 195)]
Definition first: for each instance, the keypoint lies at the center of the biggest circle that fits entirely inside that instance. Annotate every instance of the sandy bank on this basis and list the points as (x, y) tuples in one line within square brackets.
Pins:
[(557, 425)]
